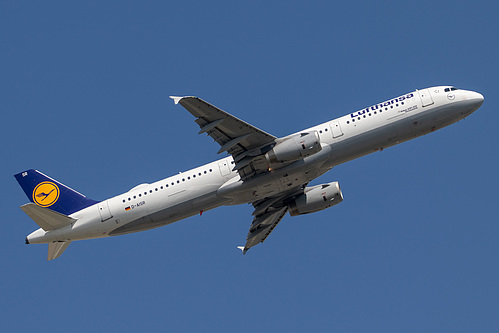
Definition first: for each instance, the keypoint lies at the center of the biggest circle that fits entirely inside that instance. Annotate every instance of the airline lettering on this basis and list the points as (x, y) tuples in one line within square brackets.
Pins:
[(381, 105)]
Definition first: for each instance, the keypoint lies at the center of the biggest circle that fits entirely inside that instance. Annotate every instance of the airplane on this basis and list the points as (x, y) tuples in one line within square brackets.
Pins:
[(271, 173)]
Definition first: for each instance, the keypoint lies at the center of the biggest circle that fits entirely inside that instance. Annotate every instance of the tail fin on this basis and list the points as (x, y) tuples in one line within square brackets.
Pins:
[(49, 193)]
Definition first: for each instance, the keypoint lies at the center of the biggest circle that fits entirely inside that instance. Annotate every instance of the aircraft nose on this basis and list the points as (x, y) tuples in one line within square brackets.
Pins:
[(477, 98)]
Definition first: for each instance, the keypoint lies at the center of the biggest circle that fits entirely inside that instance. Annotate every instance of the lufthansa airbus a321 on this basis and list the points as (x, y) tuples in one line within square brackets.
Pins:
[(273, 174)]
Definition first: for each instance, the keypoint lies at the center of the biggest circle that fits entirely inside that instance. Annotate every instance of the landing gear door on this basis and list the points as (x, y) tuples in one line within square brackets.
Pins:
[(336, 129), (105, 213), (425, 96)]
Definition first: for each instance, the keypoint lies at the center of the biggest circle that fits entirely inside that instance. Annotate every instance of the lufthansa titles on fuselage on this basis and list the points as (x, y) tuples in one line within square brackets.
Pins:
[(381, 105)]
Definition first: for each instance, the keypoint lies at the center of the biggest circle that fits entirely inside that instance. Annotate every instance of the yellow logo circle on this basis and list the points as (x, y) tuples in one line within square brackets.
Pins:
[(46, 194)]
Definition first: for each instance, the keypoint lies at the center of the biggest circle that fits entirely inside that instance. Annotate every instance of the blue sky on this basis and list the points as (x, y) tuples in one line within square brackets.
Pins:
[(84, 98)]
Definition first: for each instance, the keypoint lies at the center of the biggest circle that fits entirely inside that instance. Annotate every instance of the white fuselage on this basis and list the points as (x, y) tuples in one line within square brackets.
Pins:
[(212, 185)]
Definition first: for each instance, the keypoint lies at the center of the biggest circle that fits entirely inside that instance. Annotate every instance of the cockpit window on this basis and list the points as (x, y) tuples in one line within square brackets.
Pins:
[(450, 89)]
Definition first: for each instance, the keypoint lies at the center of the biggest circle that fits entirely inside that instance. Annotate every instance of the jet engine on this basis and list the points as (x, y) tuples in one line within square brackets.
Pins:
[(295, 147), (316, 198)]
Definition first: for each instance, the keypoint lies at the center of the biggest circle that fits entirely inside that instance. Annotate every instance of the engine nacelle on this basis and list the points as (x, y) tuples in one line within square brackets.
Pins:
[(316, 198), (295, 147)]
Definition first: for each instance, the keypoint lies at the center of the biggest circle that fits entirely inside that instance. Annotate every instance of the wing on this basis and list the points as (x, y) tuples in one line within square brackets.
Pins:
[(268, 213), (244, 142), (262, 226)]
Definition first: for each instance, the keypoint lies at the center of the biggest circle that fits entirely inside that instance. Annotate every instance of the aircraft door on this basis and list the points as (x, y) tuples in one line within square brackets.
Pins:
[(105, 213), (336, 129), (425, 96), (224, 168)]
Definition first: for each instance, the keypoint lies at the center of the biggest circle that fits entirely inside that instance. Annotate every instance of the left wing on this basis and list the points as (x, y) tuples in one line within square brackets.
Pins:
[(244, 142)]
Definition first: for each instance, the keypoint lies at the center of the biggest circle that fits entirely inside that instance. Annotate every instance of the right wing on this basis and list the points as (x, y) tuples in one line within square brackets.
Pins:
[(268, 213), (262, 226), (244, 142)]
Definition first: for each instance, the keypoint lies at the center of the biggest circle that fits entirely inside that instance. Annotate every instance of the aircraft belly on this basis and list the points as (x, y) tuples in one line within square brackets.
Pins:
[(276, 181), (171, 214)]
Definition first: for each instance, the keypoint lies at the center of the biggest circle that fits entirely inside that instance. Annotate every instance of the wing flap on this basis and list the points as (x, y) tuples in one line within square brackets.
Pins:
[(47, 219)]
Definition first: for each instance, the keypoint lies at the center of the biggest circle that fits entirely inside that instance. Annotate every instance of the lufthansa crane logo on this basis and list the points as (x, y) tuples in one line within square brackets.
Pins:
[(46, 194)]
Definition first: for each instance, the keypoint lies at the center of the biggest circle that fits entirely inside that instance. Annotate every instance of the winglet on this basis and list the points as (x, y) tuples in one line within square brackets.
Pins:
[(242, 248), (176, 99)]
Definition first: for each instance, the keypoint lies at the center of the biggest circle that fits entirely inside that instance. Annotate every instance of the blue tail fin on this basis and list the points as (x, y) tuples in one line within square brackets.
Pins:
[(47, 192)]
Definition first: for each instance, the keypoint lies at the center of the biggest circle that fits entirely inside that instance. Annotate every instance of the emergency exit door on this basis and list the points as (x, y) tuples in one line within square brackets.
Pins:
[(224, 168), (336, 129)]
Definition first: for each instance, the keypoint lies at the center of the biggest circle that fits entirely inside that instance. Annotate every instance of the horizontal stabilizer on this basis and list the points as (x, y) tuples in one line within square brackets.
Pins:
[(56, 249), (47, 219)]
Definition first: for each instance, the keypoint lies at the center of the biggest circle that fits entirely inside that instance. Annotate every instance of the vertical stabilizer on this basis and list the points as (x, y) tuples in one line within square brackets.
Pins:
[(49, 193)]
